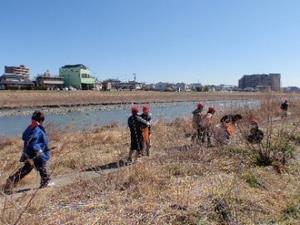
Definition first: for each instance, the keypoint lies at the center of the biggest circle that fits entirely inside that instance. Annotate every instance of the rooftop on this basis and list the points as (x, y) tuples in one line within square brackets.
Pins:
[(75, 66)]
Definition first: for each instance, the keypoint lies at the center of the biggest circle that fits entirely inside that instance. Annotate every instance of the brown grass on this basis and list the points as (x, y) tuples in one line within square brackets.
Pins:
[(179, 184), (19, 99)]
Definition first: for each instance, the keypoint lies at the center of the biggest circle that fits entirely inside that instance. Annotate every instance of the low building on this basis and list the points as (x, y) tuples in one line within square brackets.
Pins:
[(148, 87), (196, 87), (115, 83), (10, 81), (292, 89), (106, 86), (162, 86), (130, 85), (182, 87), (77, 76), (48, 82)]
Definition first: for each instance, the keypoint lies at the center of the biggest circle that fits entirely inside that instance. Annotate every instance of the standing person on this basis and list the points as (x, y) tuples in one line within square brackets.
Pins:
[(284, 109), (206, 124), (135, 123), (197, 115), (146, 115), (35, 153)]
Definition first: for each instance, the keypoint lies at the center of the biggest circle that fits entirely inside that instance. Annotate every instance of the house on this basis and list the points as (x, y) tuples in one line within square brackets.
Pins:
[(15, 82), (46, 81), (77, 76)]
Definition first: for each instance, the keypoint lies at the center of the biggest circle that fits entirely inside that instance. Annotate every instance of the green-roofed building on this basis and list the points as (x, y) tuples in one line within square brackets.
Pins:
[(77, 76)]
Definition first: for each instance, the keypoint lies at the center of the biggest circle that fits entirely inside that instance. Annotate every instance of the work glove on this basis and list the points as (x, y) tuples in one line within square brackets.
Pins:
[(39, 153)]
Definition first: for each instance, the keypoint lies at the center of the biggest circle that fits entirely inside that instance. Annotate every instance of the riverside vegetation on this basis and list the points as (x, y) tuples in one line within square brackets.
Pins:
[(180, 183)]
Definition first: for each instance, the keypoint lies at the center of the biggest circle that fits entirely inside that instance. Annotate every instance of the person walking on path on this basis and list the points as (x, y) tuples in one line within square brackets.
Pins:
[(206, 123), (146, 115), (35, 153), (284, 109), (135, 124), (198, 129)]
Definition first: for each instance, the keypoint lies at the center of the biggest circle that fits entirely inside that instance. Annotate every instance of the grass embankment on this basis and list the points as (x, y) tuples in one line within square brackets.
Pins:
[(179, 183), (27, 99)]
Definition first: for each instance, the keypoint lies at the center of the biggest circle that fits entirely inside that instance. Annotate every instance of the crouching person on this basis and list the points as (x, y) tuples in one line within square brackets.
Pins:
[(255, 135), (35, 153)]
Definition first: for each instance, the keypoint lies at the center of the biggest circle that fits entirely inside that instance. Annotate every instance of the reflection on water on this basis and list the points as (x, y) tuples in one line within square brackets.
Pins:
[(14, 125)]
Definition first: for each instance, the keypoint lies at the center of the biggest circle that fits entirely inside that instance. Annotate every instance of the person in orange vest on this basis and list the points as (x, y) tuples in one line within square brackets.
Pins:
[(197, 116), (206, 124), (146, 115), (227, 128), (230, 122)]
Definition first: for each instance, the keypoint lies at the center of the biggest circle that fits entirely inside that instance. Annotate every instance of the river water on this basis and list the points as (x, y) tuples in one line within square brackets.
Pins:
[(86, 119)]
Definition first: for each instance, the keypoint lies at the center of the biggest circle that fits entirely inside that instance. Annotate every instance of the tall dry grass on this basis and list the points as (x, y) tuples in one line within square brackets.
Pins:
[(179, 183), (19, 99)]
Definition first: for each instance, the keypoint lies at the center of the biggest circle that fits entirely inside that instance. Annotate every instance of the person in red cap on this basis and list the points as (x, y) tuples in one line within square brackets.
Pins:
[(135, 124), (206, 124), (146, 115), (35, 153), (197, 116), (255, 135)]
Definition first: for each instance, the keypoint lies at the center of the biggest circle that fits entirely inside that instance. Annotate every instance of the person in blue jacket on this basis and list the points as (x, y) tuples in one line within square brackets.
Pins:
[(35, 153)]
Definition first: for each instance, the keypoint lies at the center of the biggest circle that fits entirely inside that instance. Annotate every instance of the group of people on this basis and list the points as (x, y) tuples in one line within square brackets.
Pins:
[(226, 128), (36, 151), (202, 123), (204, 130)]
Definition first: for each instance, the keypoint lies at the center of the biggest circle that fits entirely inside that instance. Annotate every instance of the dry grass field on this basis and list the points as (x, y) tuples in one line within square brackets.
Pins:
[(179, 183), (19, 99)]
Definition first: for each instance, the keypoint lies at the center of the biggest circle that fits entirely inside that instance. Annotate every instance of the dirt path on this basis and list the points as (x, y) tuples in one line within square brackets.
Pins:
[(68, 179)]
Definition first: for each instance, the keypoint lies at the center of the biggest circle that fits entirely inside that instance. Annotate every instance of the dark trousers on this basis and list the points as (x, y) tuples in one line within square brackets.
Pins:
[(39, 164), (207, 133), (197, 136)]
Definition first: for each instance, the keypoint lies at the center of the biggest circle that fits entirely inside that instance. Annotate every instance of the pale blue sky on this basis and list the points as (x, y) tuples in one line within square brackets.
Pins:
[(210, 41)]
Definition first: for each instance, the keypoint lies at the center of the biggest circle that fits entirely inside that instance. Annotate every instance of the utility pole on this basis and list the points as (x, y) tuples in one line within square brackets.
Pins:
[(134, 77)]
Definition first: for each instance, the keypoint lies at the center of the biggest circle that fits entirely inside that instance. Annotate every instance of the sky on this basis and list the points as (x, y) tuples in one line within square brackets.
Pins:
[(206, 41)]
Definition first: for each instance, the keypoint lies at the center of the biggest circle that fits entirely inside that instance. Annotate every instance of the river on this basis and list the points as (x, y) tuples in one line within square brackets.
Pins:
[(11, 126)]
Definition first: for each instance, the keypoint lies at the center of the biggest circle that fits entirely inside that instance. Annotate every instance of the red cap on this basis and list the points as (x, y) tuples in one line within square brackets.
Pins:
[(134, 109), (211, 110), (200, 106), (254, 122), (146, 109)]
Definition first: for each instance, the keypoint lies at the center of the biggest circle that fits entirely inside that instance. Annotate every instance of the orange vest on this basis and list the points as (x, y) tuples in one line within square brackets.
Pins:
[(146, 135), (231, 128)]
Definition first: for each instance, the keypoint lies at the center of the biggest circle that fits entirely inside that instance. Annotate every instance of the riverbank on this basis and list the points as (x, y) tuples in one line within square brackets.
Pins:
[(18, 100), (179, 183)]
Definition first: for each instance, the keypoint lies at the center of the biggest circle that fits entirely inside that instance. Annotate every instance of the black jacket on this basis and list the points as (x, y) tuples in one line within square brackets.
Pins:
[(135, 124), (284, 106)]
